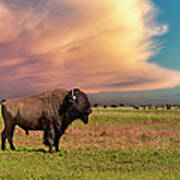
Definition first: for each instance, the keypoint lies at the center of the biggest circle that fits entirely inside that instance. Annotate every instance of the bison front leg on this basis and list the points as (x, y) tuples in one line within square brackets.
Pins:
[(49, 137), (57, 139)]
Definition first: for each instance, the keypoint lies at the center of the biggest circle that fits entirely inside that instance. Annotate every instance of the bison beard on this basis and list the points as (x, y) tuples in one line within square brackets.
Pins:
[(51, 112)]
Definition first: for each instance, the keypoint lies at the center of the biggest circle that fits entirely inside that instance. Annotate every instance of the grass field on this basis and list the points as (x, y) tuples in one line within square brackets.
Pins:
[(116, 144)]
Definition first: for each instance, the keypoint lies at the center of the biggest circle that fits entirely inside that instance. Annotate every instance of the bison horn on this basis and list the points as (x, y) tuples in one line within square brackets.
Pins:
[(73, 96)]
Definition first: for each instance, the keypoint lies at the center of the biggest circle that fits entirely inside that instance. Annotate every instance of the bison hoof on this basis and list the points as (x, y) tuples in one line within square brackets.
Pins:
[(57, 150), (13, 148)]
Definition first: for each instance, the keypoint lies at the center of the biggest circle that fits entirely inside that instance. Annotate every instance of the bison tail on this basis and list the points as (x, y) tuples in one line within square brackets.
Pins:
[(2, 101), (3, 112)]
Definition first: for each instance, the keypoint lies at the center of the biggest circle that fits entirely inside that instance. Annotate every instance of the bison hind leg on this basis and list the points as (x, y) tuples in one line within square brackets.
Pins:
[(8, 133), (8, 130), (10, 136), (3, 139)]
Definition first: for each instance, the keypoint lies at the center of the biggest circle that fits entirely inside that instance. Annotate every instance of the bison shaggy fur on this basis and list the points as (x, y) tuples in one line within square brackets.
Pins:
[(51, 112)]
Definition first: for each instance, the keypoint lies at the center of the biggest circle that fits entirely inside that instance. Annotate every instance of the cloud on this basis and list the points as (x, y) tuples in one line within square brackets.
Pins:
[(92, 44)]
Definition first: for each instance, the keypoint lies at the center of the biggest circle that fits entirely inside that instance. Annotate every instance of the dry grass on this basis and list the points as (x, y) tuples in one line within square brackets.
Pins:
[(99, 135)]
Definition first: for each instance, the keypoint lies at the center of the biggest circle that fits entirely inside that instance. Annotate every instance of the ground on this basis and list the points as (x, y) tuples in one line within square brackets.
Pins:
[(119, 143)]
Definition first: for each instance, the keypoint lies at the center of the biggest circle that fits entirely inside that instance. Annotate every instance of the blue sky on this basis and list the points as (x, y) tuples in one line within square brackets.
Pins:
[(169, 13)]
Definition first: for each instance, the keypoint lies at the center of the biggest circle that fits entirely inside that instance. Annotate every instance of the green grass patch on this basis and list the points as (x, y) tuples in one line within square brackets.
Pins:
[(31, 164), (133, 117)]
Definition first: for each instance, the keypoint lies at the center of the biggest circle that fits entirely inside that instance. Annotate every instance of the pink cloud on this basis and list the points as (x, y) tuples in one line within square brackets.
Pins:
[(94, 45)]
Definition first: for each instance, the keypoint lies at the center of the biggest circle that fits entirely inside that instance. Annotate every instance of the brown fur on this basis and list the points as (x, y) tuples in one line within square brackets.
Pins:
[(49, 111)]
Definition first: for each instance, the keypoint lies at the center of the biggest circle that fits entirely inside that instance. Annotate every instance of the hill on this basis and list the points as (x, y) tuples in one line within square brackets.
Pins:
[(138, 97)]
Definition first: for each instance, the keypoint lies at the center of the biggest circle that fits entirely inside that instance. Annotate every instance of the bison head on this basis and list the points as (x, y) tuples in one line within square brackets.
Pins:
[(78, 105)]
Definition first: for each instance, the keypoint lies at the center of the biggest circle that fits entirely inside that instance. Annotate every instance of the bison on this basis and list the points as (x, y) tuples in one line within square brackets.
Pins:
[(51, 112), (137, 107)]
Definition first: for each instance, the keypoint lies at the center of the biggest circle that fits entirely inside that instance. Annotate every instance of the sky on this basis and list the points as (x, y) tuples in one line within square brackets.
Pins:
[(169, 13), (96, 45)]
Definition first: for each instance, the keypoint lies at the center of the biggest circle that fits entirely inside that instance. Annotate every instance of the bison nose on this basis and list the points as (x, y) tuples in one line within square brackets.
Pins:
[(89, 111)]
